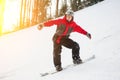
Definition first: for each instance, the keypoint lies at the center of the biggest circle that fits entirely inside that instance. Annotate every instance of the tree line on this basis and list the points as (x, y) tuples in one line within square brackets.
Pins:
[(33, 12)]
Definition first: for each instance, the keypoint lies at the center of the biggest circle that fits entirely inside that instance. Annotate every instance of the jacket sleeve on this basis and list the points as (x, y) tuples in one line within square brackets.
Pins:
[(52, 22), (79, 29)]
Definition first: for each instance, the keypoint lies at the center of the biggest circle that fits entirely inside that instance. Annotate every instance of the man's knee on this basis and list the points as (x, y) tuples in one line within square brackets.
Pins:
[(76, 46)]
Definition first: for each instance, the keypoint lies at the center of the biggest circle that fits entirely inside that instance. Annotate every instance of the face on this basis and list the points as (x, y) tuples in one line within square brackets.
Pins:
[(69, 17)]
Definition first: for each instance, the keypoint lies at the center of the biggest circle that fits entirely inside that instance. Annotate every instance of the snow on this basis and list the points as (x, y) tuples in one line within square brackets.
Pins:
[(27, 53)]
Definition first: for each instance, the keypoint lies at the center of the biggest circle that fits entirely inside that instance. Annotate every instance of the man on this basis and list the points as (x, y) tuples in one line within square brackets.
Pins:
[(61, 38)]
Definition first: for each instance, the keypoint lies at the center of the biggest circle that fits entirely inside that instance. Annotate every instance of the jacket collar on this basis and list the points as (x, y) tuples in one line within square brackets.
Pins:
[(64, 18)]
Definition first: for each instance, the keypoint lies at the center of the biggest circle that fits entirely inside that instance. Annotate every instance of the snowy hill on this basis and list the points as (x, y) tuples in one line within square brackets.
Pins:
[(26, 53)]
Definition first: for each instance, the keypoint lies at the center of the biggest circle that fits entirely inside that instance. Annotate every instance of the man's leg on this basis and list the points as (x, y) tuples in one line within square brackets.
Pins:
[(69, 43), (57, 56), (75, 54)]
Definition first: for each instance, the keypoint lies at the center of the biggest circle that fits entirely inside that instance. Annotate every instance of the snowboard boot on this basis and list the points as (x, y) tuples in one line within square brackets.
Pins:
[(77, 61), (58, 68)]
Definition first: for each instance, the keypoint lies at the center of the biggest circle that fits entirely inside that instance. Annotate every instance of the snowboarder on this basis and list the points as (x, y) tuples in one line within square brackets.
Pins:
[(65, 26)]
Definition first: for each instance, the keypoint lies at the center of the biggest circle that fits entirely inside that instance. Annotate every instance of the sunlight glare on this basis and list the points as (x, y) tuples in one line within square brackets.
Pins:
[(2, 5), (11, 15)]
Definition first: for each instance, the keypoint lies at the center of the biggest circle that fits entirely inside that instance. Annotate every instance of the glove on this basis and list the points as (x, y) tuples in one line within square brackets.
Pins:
[(40, 26), (88, 35)]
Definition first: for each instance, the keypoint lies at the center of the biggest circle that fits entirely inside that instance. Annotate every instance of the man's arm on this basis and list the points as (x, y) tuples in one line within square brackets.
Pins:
[(52, 22), (48, 23), (82, 31)]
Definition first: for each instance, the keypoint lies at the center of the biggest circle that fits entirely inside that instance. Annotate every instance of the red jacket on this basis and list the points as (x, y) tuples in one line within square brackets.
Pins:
[(64, 27)]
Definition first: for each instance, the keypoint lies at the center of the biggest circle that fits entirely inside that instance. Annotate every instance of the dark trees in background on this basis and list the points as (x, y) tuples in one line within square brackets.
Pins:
[(35, 11), (63, 8), (75, 4), (78, 4)]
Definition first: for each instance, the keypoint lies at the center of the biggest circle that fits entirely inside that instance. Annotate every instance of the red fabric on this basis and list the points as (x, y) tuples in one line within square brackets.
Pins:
[(76, 28)]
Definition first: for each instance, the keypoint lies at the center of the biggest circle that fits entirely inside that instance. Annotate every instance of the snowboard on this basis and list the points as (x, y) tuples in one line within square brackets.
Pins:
[(66, 67)]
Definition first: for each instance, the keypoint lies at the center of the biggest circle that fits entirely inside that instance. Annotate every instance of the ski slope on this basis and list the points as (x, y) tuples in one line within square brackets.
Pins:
[(26, 53)]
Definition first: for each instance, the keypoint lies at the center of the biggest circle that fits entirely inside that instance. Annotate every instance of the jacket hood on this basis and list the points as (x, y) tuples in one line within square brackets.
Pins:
[(67, 20)]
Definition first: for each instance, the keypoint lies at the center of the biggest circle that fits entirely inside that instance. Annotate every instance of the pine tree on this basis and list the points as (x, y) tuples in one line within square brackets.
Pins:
[(57, 8)]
